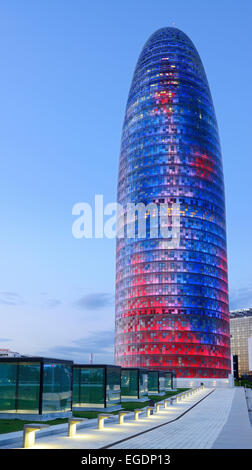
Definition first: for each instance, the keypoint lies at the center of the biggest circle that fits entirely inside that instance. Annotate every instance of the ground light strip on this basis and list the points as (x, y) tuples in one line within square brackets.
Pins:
[(155, 427)]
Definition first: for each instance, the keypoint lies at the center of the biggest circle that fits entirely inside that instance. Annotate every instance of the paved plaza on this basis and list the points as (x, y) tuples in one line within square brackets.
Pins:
[(211, 419)]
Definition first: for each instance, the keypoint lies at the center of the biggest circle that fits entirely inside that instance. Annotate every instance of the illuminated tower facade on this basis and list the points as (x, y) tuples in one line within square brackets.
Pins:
[(172, 304)]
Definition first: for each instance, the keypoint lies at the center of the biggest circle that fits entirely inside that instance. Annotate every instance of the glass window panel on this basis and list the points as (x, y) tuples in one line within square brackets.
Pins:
[(168, 380), (57, 386), (129, 383), (92, 387), (153, 382), (76, 385), (174, 380), (143, 384), (113, 389), (28, 387), (8, 376), (161, 382)]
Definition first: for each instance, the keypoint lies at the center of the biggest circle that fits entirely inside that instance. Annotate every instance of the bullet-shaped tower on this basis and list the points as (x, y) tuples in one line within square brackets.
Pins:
[(172, 303)]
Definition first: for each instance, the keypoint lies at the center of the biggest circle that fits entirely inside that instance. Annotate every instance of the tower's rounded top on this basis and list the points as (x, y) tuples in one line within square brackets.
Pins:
[(172, 45), (170, 34)]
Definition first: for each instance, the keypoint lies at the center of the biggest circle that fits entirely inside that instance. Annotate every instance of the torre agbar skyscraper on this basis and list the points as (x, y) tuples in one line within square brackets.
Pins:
[(172, 303)]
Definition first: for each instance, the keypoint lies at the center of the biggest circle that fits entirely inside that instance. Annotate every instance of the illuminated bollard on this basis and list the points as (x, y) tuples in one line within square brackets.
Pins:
[(121, 416), (166, 402), (72, 423), (29, 433), (148, 411), (101, 419), (158, 406), (136, 414)]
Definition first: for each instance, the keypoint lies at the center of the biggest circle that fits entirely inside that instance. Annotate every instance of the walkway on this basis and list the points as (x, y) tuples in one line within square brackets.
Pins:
[(211, 419), (237, 431)]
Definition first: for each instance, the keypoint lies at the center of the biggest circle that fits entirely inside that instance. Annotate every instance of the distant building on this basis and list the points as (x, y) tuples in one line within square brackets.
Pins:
[(241, 336), (9, 353)]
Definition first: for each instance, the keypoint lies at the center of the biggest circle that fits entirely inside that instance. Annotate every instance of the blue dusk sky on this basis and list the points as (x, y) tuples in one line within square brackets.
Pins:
[(66, 68)]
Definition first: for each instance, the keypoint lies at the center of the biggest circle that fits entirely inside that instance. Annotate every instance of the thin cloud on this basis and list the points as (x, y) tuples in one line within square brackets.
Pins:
[(101, 344), (94, 301), (53, 303), (49, 303), (241, 298), (10, 298)]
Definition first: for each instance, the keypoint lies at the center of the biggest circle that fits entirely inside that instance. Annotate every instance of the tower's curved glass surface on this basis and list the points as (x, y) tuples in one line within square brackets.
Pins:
[(172, 304)]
